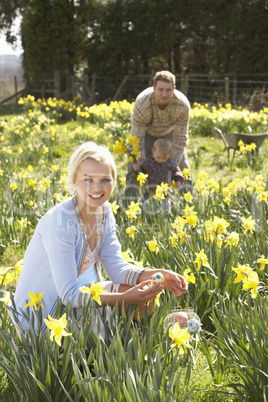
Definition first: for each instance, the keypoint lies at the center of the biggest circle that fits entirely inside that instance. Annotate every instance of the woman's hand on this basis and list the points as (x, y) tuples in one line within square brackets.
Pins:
[(141, 293), (174, 282)]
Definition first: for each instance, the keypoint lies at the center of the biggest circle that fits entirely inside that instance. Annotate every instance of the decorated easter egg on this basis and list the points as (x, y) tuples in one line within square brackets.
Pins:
[(181, 318), (155, 279), (192, 325)]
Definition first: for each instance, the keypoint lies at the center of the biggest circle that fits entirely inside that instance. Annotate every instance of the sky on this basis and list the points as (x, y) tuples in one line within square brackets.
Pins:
[(5, 48)]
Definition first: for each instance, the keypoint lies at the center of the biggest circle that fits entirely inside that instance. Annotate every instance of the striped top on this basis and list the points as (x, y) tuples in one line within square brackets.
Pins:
[(148, 118)]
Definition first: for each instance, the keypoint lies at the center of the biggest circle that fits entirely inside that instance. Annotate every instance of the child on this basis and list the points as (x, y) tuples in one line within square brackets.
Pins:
[(160, 167)]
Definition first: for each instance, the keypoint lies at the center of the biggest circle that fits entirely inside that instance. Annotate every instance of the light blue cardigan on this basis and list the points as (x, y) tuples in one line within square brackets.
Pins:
[(54, 255)]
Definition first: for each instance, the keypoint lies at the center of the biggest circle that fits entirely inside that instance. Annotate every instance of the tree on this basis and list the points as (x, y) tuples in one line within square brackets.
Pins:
[(9, 10), (52, 37)]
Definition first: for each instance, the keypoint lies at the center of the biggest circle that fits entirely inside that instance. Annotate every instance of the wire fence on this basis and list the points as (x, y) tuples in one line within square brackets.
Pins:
[(251, 93)]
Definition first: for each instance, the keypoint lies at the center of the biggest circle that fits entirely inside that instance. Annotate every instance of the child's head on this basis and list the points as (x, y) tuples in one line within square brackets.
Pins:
[(161, 150)]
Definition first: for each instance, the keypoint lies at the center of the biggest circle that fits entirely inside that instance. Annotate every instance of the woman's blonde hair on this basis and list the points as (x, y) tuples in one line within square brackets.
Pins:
[(89, 150)]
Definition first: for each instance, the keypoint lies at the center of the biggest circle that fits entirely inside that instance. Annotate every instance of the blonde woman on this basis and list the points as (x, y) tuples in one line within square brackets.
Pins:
[(77, 235)]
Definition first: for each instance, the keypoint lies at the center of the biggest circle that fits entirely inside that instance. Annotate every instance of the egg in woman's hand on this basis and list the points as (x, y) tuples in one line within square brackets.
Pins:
[(157, 278)]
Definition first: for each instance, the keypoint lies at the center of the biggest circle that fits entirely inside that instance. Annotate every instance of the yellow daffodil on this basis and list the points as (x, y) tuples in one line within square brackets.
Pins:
[(248, 224), (142, 178), (263, 261), (189, 278), (36, 300), (178, 224), (153, 246), (122, 181), (263, 196), (189, 211), (180, 337), (212, 185), (33, 182), (57, 328), (120, 148), (128, 258), (13, 186), (190, 216), (159, 194), (54, 168), (183, 235), (18, 267), (164, 186), (220, 224), (94, 291), (173, 239), (192, 220), (5, 300), (242, 148), (133, 140), (23, 222), (251, 147), (133, 210), (188, 197), (201, 259), (252, 282), (157, 300), (44, 184), (186, 173), (202, 175), (131, 231), (114, 207), (232, 239), (242, 272)]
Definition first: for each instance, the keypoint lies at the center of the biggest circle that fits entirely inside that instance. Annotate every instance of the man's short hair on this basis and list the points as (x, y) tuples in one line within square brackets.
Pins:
[(165, 76)]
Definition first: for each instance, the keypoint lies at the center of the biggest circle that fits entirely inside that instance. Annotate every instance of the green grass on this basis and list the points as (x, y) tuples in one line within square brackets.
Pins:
[(210, 154), (6, 388)]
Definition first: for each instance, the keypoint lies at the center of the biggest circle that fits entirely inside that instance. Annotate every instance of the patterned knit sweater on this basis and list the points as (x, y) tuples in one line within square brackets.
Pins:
[(148, 118), (160, 172)]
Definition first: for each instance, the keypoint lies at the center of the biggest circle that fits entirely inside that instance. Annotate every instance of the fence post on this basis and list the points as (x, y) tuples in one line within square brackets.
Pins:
[(16, 91), (227, 90), (122, 83), (184, 83), (57, 84), (235, 88), (93, 85)]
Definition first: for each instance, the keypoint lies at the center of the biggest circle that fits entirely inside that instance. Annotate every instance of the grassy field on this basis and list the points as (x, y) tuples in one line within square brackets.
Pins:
[(221, 231)]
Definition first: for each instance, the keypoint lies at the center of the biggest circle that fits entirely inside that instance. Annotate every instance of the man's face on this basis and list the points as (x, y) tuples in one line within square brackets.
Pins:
[(163, 93)]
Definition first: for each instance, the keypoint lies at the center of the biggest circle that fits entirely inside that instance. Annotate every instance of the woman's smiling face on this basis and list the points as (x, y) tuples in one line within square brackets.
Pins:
[(93, 183)]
